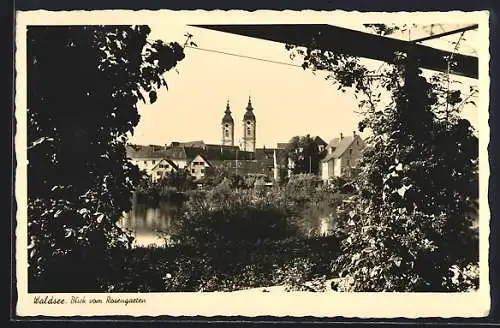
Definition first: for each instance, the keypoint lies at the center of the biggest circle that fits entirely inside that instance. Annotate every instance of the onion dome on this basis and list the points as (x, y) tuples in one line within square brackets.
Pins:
[(249, 116), (227, 116)]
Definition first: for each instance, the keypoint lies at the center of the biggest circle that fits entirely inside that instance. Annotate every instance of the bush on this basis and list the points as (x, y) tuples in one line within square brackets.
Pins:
[(231, 267), (224, 215)]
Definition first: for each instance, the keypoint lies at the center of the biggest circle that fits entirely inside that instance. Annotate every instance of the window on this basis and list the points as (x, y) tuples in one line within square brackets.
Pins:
[(350, 151), (192, 171), (158, 173), (154, 162), (227, 133), (249, 131), (227, 125), (348, 163), (145, 162), (202, 171)]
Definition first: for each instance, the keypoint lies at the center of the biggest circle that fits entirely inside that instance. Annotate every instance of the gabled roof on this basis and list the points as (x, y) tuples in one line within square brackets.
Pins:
[(340, 145), (319, 141), (202, 157), (167, 161)]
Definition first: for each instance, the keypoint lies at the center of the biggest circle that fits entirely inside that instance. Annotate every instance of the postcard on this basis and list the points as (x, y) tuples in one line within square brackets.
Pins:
[(265, 163)]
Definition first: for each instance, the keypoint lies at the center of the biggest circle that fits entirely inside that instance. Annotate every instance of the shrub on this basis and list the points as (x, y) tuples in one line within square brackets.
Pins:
[(216, 267)]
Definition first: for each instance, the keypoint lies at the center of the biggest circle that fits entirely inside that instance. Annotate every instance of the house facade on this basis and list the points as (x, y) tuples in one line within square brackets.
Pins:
[(162, 168), (197, 167), (343, 155)]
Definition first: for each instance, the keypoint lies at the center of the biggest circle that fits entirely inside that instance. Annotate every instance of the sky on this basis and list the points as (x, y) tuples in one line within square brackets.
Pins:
[(287, 100)]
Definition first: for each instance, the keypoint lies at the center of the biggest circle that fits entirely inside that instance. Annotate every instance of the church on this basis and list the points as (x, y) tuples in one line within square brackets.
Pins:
[(241, 158), (249, 128)]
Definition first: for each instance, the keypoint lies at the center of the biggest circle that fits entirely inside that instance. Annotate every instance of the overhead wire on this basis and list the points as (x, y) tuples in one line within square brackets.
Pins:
[(244, 56)]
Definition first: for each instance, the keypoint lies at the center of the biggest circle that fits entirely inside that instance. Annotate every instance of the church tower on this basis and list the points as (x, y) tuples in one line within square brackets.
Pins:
[(227, 128), (249, 128)]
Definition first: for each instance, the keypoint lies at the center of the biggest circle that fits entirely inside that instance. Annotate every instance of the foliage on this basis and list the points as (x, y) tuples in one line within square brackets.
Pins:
[(342, 185), (300, 187), (227, 239), (213, 177), (181, 180), (305, 154), (409, 223), (225, 215), (290, 262), (384, 29), (83, 86)]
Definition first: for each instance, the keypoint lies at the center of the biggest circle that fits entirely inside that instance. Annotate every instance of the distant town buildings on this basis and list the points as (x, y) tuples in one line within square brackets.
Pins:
[(245, 159)]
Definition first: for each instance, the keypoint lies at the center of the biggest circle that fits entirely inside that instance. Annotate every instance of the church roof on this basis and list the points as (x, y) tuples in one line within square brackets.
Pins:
[(249, 115), (227, 116)]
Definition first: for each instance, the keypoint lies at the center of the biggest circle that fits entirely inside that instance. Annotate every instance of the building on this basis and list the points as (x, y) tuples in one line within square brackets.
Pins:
[(197, 157), (163, 167), (249, 128), (198, 166), (343, 155), (146, 157), (227, 128)]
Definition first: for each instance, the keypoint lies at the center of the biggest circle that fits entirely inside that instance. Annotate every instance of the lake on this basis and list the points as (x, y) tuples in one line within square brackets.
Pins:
[(148, 222)]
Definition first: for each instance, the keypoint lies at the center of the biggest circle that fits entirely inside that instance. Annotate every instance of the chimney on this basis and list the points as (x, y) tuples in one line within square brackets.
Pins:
[(341, 136)]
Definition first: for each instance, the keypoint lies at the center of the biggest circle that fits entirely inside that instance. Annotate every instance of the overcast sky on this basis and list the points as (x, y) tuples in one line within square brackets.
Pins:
[(287, 100)]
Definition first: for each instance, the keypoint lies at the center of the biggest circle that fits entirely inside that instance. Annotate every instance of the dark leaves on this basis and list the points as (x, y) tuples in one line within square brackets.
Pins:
[(152, 97), (83, 89)]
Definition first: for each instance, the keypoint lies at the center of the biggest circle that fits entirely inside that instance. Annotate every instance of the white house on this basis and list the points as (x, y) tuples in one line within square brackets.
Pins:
[(163, 167), (197, 166), (145, 157), (343, 154)]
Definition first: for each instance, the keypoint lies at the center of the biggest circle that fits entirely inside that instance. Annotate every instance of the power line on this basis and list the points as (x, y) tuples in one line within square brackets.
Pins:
[(244, 56), (261, 59)]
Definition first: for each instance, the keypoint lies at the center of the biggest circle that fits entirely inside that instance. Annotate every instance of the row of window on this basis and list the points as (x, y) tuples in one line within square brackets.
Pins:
[(193, 171), (198, 163)]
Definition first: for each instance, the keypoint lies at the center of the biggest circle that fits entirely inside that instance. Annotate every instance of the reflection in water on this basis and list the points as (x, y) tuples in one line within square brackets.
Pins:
[(147, 222)]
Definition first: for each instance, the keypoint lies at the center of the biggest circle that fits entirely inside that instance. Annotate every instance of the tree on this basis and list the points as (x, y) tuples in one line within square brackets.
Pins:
[(84, 83), (181, 180), (409, 223), (213, 176), (305, 154)]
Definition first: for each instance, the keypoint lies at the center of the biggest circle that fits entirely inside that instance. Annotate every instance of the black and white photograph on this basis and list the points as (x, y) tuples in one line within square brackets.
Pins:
[(184, 163)]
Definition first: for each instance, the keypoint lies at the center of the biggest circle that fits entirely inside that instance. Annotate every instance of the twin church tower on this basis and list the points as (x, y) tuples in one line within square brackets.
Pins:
[(248, 140)]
